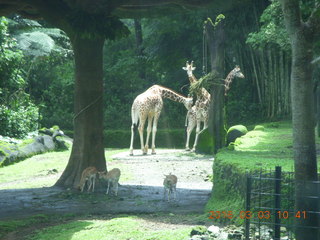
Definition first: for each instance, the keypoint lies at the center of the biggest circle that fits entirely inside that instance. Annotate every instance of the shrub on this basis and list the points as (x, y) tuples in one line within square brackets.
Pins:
[(18, 122)]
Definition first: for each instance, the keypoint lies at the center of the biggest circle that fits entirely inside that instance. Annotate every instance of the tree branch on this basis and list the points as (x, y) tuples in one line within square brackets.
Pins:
[(314, 19)]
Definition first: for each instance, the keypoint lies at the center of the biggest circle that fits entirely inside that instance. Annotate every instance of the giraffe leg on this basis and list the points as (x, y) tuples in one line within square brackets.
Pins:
[(154, 131), (197, 136), (131, 142), (146, 147), (141, 126), (190, 127)]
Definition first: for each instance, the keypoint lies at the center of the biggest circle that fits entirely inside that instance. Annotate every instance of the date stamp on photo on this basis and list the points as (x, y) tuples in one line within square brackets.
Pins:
[(257, 215)]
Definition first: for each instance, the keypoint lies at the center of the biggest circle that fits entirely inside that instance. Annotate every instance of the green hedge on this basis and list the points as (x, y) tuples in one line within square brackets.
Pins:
[(165, 138)]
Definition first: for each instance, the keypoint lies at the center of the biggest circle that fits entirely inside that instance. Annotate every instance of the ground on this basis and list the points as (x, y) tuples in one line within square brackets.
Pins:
[(141, 190)]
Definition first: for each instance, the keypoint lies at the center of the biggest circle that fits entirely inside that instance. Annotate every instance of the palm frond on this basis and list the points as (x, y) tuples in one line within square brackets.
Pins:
[(35, 43)]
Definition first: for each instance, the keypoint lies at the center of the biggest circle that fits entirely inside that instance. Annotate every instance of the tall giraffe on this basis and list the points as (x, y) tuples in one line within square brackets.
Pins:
[(236, 72), (192, 119), (149, 105), (199, 112)]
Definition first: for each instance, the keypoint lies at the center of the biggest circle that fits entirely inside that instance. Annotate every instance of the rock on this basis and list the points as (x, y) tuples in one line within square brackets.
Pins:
[(234, 132), (258, 128), (222, 236), (214, 230)]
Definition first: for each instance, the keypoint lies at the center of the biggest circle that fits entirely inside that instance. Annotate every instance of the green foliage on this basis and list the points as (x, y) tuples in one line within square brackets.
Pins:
[(272, 30), (205, 82), (166, 138), (18, 114), (18, 122)]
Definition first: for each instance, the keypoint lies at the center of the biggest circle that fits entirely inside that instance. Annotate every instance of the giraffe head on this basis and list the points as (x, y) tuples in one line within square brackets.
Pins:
[(188, 103), (189, 68), (237, 72)]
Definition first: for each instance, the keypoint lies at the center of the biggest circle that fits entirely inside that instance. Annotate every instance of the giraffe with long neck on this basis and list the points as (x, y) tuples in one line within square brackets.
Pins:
[(148, 105), (199, 112), (192, 116), (236, 72)]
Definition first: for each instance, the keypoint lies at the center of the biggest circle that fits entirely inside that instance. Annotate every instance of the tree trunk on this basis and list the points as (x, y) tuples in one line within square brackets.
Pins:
[(88, 144), (139, 49), (216, 38), (302, 120), (304, 135)]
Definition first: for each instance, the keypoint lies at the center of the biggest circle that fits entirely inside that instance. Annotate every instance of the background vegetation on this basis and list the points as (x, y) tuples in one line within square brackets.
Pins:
[(38, 70)]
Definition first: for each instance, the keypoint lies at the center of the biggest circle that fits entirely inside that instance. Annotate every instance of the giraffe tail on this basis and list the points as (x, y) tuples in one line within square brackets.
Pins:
[(135, 118)]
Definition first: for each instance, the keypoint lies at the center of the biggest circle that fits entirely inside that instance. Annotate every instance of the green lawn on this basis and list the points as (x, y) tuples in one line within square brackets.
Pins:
[(264, 149), (119, 228)]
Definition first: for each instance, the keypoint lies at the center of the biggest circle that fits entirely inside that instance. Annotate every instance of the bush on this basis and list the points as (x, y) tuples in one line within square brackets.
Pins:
[(18, 122), (165, 138)]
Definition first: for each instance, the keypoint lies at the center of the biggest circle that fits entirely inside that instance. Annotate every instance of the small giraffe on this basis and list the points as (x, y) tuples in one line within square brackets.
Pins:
[(199, 112), (149, 105), (191, 119), (236, 72)]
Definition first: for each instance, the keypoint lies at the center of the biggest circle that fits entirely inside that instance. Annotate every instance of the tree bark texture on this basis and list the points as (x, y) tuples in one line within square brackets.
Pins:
[(88, 144), (303, 120), (215, 38)]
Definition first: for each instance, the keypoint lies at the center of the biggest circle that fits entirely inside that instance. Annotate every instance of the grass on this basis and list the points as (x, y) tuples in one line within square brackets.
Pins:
[(161, 226), (41, 170), (119, 228), (262, 148)]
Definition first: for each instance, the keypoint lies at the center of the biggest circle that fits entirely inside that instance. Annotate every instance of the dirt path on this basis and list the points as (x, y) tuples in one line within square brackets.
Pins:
[(143, 193)]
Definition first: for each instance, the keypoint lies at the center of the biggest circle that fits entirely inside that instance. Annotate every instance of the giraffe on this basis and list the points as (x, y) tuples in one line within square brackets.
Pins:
[(192, 118), (236, 72), (199, 112), (149, 105)]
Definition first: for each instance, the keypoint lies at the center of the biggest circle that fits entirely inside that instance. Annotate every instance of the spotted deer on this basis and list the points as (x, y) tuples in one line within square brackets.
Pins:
[(88, 176), (112, 177), (170, 183)]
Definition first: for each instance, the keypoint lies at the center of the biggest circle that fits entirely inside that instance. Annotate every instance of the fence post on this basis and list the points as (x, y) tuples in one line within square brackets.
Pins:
[(277, 203), (248, 198)]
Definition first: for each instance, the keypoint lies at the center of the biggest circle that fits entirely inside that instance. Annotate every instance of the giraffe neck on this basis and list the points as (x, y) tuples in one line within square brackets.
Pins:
[(172, 95), (193, 79), (230, 77)]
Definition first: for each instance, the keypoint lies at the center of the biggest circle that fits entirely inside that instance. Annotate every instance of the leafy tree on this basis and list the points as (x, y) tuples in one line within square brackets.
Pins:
[(17, 112)]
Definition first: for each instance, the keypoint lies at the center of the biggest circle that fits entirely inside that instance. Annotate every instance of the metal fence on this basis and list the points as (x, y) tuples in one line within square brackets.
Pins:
[(270, 212)]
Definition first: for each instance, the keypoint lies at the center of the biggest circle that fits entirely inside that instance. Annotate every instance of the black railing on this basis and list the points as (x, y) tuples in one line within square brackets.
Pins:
[(270, 206)]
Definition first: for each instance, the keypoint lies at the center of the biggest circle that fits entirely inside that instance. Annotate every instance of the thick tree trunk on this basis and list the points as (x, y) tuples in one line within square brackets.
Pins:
[(88, 145), (303, 120), (139, 50), (216, 39), (304, 135)]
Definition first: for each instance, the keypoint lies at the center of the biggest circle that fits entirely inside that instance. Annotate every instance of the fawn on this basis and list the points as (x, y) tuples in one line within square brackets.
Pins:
[(88, 175), (170, 183), (112, 178)]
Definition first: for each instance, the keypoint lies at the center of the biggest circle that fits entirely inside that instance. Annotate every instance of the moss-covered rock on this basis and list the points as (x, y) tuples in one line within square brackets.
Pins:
[(234, 132), (258, 128)]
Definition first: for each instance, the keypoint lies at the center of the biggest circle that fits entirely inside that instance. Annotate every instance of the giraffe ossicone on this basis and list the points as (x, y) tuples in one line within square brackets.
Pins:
[(148, 105)]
